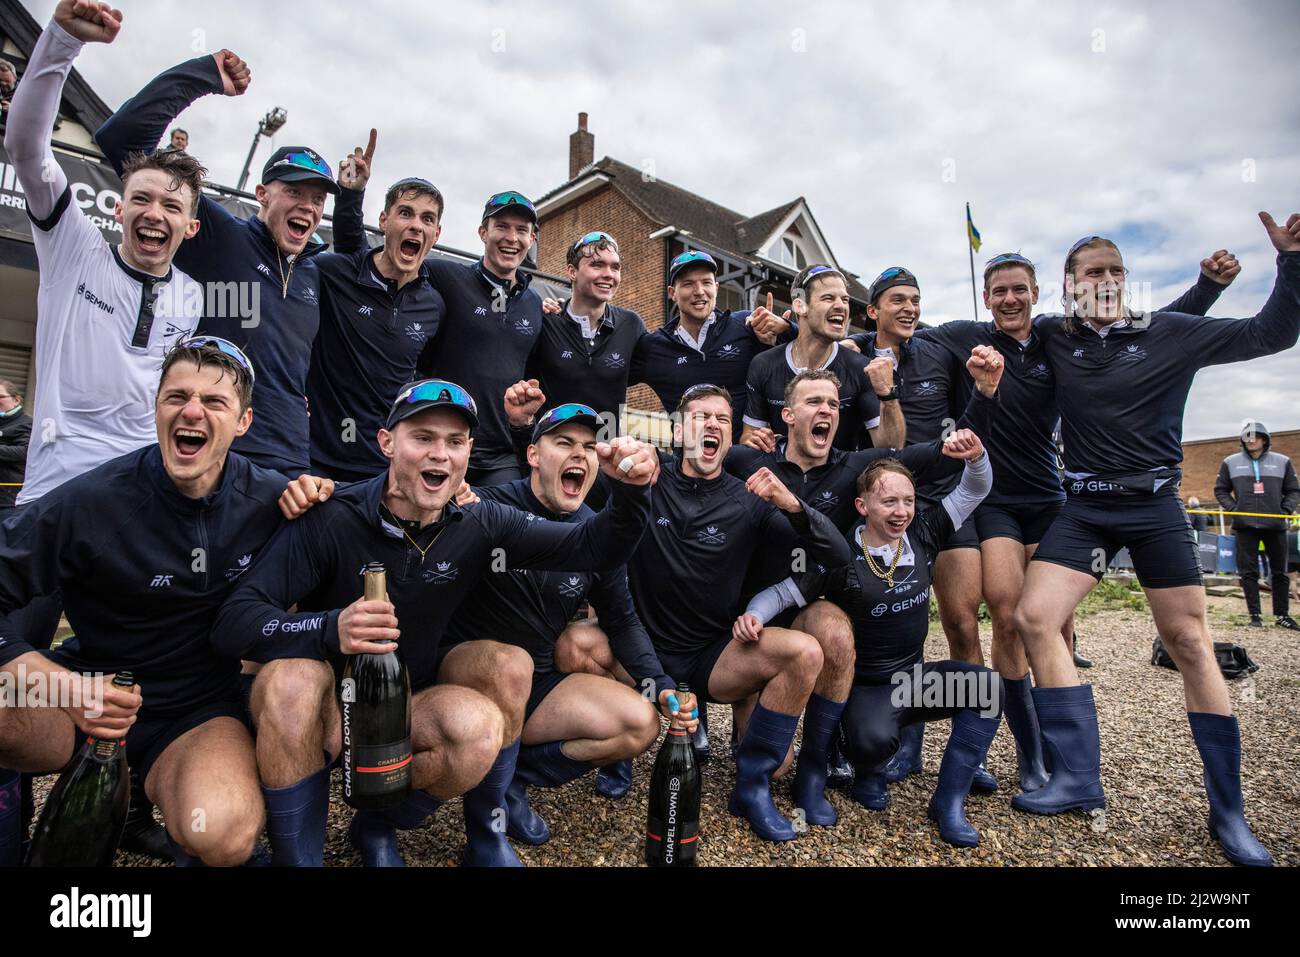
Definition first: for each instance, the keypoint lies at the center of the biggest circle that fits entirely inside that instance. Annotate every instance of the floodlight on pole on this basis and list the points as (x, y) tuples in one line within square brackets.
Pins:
[(268, 125)]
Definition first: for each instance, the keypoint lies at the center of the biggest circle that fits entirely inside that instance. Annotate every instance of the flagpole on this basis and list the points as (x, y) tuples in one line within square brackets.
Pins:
[(974, 302)]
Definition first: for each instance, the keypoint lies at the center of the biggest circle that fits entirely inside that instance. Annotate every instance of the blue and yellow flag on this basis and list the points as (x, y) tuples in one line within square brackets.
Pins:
[(971, 231)]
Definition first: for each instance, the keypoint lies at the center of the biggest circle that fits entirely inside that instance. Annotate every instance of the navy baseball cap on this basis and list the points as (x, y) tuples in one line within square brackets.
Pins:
[(298, 164), (893, 276), (509, 200), (431, 394), (564, 414), (695, 257)]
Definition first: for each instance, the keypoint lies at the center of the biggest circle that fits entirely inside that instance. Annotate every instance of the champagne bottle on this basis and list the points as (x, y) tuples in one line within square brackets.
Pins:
[(83, 817), (673, 831), (376, 708)]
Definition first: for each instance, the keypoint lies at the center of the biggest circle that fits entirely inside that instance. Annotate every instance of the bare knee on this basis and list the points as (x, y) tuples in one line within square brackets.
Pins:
[(504, 673), (1189, 644), (805, 656), (642, 730), (224, 832), (576, 649), (288, 696), (474, 732)]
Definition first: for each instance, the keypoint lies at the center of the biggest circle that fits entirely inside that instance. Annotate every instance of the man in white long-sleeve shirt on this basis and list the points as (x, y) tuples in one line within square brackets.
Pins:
[(105, 315)]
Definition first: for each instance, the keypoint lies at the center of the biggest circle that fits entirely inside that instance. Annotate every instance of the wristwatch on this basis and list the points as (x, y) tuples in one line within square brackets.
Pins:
[(890, 396)]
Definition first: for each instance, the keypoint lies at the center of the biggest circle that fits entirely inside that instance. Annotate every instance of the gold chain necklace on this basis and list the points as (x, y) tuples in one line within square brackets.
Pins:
[(886, 574), (423, 551)]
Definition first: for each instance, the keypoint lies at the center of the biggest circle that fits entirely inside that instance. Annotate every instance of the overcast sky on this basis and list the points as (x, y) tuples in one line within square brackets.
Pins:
[(1166, 126)]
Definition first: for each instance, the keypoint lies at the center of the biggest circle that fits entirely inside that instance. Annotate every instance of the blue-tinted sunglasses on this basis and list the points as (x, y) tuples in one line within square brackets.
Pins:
[(223, 345), (1083, 242), (596, 237), (811, 272), (1006, 258), (510, 198), (893, 272), (562, 412), (438, 390)]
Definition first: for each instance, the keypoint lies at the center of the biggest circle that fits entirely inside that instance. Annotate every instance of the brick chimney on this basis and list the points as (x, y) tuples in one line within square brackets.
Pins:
[(582, 147)]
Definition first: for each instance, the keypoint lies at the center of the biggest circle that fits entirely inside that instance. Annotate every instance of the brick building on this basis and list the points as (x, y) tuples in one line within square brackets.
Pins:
[(1202, 458), (654, 221)]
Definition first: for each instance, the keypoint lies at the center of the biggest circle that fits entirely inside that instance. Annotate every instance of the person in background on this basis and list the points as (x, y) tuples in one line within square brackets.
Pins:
[(1199, 523), (1260, 481), (180, 140), (15, 430)]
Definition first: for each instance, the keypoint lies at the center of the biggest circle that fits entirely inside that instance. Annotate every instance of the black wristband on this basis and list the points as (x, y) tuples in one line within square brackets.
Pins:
[(890, 396)]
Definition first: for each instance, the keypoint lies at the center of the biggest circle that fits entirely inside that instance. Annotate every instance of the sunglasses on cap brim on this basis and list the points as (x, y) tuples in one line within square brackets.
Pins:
[(438, 390), (501, 201), (596, 237), (225, 346)]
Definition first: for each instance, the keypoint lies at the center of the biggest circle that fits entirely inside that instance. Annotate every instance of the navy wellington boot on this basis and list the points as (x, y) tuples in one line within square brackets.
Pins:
[(541, 765), (907, 759), (615, 780), (766, 742), (967, 745), (374, 833), (295, 820), (1022, 719), (821, 724), (1218, 738), (487, 817), (1067, 719)]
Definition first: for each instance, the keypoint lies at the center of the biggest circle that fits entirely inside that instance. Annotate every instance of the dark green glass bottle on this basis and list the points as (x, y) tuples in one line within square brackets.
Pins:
[(375, 704), (673, 830), (82, 820)]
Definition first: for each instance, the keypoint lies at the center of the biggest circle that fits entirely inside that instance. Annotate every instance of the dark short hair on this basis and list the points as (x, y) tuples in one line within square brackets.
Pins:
[(876, 470), (179, 130), (811, 375), (210, 355), (704, 390), (183, 169), (413, 188)]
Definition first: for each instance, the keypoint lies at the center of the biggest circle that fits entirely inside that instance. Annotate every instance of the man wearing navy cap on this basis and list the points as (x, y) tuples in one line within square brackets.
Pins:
[(701, 343), (261, 282)]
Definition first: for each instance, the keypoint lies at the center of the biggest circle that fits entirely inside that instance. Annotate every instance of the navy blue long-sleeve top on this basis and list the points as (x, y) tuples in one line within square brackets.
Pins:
[(532, 608), (142, 569), (317, 562), (688, 573), (1122, 396), (374, 338), (1020, 442)]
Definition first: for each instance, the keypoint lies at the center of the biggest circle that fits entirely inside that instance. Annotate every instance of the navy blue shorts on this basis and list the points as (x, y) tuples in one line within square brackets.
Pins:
[(543, 684), (964, 537), (1026, 524), (694, 667), (1153, 527)]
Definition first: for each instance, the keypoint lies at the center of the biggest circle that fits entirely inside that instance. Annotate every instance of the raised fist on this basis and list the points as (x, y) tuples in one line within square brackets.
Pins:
[(88, 21), (1221, 266), (235, 75)]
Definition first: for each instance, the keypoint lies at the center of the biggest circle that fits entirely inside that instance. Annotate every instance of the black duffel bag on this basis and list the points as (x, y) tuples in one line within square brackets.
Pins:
[(1234, 661)]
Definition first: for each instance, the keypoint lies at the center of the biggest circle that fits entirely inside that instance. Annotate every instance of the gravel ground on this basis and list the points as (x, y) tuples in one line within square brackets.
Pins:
[(1156, 804)]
